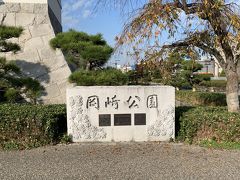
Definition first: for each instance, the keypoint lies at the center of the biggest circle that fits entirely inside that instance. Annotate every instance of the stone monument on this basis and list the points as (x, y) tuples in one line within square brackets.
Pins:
[(126, 113), (41, 21)]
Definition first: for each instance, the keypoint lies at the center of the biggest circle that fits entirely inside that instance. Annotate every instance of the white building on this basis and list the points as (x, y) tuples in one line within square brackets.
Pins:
[(210, 66)]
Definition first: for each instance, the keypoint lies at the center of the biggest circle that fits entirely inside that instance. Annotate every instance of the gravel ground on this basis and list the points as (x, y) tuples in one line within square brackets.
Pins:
[(120, 161)]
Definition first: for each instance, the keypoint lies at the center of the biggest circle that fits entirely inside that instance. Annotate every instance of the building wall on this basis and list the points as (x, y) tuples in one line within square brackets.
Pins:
[(36, 58), (56, 7), (86, 106)]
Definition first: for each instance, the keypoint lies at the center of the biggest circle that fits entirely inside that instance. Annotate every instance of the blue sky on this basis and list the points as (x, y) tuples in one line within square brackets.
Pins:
[(80, 15)]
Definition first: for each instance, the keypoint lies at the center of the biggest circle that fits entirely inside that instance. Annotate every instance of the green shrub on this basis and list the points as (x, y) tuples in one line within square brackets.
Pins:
[(28, 126), (106, 77), (199, 78), (11, 95), (204, 77), (214, 83), (66, 139), (195, 124), (202, 98)]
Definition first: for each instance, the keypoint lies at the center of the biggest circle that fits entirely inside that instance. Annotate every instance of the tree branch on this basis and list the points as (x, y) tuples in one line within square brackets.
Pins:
[(199, 44)]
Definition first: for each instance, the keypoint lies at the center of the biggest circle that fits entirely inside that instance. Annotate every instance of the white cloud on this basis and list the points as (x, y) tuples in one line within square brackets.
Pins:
[(86, 13), (75, 10)]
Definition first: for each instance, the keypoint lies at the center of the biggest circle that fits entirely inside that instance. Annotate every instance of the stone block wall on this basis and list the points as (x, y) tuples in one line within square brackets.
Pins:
[(36, 58)]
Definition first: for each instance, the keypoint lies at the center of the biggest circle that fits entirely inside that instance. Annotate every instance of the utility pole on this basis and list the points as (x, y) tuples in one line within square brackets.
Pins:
[(116, 62)]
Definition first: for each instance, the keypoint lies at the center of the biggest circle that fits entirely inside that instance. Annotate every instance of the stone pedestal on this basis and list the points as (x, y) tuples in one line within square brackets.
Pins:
[(36, 58)]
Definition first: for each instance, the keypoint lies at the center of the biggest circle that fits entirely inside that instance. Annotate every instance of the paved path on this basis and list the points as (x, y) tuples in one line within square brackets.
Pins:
[(120, 161)]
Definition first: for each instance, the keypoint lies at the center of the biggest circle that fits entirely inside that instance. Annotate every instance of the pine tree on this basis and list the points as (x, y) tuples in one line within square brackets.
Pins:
[(84, 50), (13, 85)]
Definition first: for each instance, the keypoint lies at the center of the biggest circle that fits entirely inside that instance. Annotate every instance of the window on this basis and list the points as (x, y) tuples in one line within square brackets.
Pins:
[(140, 119), (104, 120), (122, 119)]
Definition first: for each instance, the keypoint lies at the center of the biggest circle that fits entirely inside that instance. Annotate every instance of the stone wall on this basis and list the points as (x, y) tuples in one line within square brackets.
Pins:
[(36, 58)]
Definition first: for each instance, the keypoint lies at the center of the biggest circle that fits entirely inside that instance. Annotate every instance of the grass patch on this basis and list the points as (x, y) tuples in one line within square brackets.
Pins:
[(220, 145), (202, 98)]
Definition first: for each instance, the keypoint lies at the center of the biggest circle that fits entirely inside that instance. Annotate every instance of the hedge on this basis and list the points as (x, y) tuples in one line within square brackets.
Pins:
[(28, 126), (195, 124), (202, 98), (214, 83), (106, 77)]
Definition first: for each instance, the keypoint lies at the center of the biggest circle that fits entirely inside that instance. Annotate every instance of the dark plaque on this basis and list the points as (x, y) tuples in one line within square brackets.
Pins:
[(140, 119), (122, 119), (104, 120)]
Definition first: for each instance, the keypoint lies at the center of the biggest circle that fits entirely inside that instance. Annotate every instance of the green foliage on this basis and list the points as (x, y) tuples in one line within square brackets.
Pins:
[(196, 124), (222, 145), (66, 139), (11, 145), (140, 76), (177, 70), (214, 83), (191, 65), (202, 98), (32, 89), (84, 50), (14, 86), (7, 33), (11, 95), (28, 126), (185, 78), (106, 77), (198, 78)]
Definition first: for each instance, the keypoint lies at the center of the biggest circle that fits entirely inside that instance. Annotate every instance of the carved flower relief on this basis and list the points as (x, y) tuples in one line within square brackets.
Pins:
[(71, 102), (81, 125), (164, 126)]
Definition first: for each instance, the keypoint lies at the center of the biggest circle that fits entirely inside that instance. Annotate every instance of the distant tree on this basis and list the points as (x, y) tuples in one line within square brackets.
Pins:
[(212, 26), (84, 50), (177, 69), (13, 85)]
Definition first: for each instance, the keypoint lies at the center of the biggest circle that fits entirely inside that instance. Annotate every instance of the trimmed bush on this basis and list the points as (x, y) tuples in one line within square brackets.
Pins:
[(214, 83), (199, 78), (106, 77), (196, 124), (202, 98), (28, 126)]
